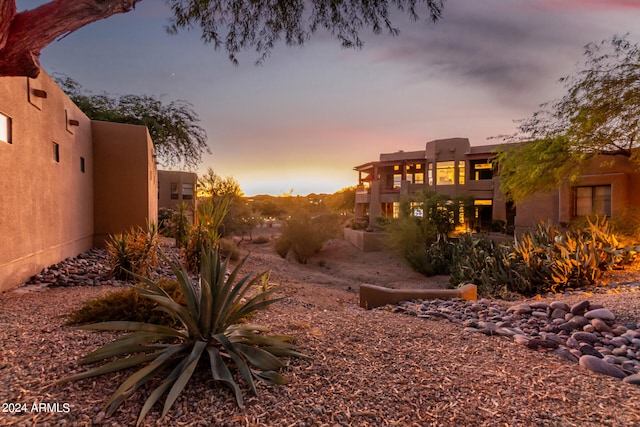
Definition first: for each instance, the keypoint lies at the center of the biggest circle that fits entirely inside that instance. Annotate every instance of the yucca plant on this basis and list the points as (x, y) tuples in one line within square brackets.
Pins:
[(133, 253), (212, 327)]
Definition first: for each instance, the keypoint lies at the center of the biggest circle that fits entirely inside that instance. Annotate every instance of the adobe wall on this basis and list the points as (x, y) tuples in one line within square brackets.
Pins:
[(165, 178), (125, 176), (47, 205)]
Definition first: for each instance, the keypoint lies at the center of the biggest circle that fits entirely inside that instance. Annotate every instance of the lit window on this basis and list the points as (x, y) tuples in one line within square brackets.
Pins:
[(417, 210), (397, 179), (396, 168), (174, 190), (445, 173), (430, 174), (461, 172), (418, 166), (593, 200), (56, 152), (187, 191), (5, 129), (396, 210), (418, 178), (481, 202)]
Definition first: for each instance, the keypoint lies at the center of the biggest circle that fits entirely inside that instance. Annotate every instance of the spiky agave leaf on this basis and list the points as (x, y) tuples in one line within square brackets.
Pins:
[(209, 317)]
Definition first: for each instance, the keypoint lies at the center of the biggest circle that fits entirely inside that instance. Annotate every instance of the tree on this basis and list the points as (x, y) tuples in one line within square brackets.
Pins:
[(342, 201), (599, 115), (233, 25), (213, 185), (173, 127)]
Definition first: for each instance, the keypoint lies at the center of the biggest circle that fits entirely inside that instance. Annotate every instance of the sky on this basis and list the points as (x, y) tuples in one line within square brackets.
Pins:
[(304, 118)]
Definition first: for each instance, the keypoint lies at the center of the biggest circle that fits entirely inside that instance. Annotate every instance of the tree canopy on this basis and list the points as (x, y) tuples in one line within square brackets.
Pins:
[(173, 126), (599, 115), (210, 184), (233, 25)]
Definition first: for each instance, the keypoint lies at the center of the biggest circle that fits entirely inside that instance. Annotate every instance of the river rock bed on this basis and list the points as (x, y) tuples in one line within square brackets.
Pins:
[(583, 332), (92, 268)]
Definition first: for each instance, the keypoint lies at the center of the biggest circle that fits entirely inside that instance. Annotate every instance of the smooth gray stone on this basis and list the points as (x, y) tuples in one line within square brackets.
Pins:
[(595, 364), (600, 313)]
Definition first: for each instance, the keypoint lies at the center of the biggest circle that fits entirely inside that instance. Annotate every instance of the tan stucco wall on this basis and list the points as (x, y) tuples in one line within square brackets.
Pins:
[(165, 178), (125, 176), (47, 206)]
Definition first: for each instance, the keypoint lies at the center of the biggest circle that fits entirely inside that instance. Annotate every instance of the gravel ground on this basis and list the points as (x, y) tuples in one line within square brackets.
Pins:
[(366, 368)]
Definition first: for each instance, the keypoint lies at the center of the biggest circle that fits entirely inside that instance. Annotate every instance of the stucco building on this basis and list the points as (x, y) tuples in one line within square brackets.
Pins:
[(455, 168), (176, 187), (69, 181)]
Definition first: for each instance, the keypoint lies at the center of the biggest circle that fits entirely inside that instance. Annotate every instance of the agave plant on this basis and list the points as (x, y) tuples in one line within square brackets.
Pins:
[(211, 326)]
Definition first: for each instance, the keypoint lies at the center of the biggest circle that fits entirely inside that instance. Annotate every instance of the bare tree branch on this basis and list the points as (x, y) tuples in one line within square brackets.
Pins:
[(23, 35)]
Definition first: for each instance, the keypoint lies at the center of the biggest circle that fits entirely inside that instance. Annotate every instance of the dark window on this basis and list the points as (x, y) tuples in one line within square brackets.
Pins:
[(187, 191), (56, 152), (82, 164), (5, 129), (481, 170), (592, 200), (174, 190)]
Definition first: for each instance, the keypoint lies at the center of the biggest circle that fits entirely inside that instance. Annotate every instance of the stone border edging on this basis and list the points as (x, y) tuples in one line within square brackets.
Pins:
[(372, 296)]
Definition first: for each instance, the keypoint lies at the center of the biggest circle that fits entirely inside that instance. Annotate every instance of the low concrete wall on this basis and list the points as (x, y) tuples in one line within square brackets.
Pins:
[(365, 241), (372, 296)]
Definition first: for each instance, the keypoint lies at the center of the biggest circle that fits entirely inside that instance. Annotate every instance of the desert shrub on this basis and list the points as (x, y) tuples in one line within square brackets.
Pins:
[(164, 220), (545, 260), (409, 237), (229, 249), (211, 328), (179, 225), (282, 246), (261, 240), (205, 232), (420, 233), (133, 253), (128, 304), (303, 234)]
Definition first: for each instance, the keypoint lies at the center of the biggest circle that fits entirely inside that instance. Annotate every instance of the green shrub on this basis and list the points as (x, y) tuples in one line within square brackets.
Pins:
[(410, 237), (133, 253), (304, 235), (206, 231), (212, 328), (127, 305), (545, 260), (179, 225)]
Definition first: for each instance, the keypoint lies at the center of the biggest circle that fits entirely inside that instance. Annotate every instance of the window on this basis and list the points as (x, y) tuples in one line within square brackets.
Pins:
[(396, 209), (416, 209), (445, 173), (174, 190), (481, 170), (56, 152), (461, 172), (397, 179), (82, 164), (430, 173), (5, 129), (592, 200), (187, 191), (418, 178)]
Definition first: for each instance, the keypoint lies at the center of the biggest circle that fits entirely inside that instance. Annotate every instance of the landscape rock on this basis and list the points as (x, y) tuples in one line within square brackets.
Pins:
[(595, 364), (600, 313)]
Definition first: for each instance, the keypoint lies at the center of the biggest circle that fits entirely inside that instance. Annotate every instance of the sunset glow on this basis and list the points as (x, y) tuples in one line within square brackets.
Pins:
[(307, 116)]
